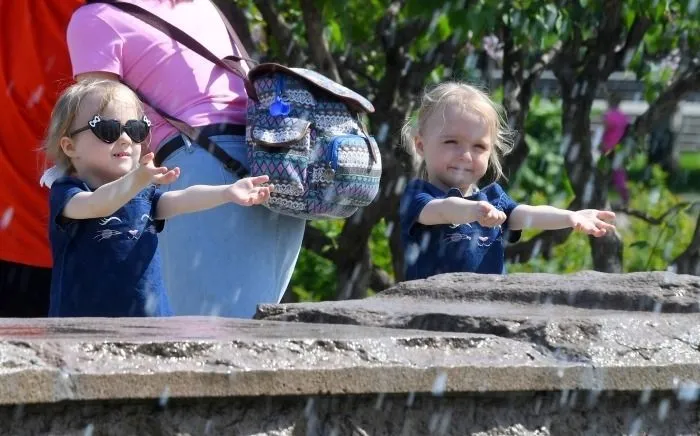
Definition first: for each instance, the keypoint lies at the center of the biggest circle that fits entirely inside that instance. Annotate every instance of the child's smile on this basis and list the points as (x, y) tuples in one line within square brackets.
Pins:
[(456, 145)]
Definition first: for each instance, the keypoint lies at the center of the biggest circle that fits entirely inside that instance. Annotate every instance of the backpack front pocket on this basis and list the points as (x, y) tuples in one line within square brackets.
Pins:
[(279, 148), (347, 170)]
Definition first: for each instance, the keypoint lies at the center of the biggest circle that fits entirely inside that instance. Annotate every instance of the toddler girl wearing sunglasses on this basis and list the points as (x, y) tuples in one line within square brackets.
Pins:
[(106, 209)]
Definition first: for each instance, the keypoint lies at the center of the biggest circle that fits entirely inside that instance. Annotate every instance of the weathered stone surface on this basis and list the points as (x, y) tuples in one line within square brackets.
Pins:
[(591, 413), (626, 321), (456, 355), (53, 360)]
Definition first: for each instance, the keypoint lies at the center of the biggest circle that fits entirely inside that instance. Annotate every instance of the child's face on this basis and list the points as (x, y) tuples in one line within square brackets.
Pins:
[(455, 145), (95, 161)]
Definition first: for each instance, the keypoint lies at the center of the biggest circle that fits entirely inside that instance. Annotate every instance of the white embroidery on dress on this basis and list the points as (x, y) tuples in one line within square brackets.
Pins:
[(456, 226), (134, 234), (106, 234), (146, 217), (456, 237), (105, 221)]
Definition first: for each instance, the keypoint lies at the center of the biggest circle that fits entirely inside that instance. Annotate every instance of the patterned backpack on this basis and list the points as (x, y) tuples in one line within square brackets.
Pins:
[(303, 130)]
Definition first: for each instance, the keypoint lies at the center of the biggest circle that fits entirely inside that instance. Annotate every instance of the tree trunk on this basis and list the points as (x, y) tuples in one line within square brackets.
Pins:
[(689, 261), (354, 274), (607, 253), (589, 183)]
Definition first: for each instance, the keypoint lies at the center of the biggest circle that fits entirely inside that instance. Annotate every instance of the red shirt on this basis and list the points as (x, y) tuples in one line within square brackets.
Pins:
[(34, 68)]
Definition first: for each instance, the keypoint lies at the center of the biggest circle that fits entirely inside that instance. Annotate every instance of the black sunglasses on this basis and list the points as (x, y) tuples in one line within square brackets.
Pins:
[(110, 130)]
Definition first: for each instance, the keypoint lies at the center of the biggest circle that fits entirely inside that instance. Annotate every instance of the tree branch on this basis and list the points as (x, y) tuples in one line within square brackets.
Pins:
[(542, 63), (666, 103), (541, 243), (418, 72), (318, 48), (349, 66), (639, 28), (660, 220), (291, 52)]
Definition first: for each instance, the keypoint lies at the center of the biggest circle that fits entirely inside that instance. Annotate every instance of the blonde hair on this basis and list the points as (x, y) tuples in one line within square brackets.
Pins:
[(66, 109), (469, 98)]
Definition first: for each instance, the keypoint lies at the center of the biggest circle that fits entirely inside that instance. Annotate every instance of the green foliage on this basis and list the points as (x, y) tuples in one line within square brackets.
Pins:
[(652, 247), (544, 172), (314, 277), (537, 25)]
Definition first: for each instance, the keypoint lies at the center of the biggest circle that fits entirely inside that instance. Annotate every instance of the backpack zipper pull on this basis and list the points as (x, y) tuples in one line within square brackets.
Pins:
[(279, 107)]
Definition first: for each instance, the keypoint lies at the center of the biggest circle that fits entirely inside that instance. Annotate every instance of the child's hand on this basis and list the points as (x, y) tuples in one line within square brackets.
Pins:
[(487, 215), (248, 191), (149, 173), (593, 222)]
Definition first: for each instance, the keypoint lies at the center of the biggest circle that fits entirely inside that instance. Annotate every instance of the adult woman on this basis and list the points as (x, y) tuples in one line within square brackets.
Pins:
[(219, 262)]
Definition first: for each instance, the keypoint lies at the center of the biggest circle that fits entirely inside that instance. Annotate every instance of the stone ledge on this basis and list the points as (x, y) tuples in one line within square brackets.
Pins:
[(508, 413), (51, 360)]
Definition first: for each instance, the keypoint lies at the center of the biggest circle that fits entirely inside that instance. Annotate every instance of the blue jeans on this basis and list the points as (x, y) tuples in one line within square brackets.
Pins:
[(227, 260)]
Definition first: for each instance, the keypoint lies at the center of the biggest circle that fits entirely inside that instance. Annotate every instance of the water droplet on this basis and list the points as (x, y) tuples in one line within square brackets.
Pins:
[(564, 397), (208, 427), (406, 67), (382, 133), (389, 229), (434, 21), (411, 398), (536, 248), (635, 427), (400, 185), (380, 401), (196, 259), (689, 392), (645, 397), (425, 242), (592, 397), (6, 218), (164, 397), (35, 97), (411, 254), (440, 384), (89, 429), (663, 409)]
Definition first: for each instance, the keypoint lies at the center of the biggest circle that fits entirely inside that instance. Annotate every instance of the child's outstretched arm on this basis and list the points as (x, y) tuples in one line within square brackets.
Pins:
[(456, 210), (246, 192), (108, 198), (590, 221)]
